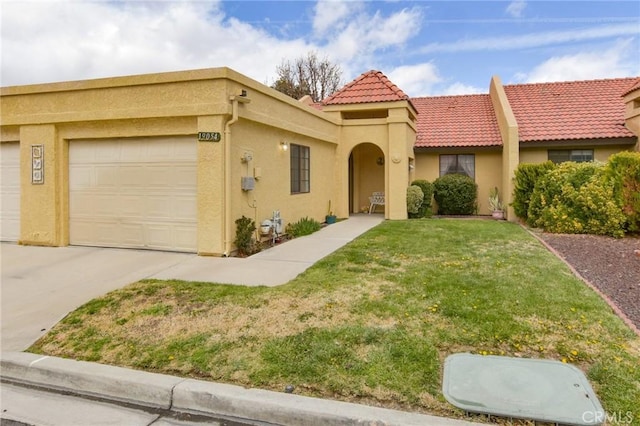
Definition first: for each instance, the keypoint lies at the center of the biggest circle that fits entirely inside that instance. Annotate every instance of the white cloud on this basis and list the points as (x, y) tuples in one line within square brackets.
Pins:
[(530, 40), (366, 33), (54, 41), (415, 80), (516, 8), (462, 89), (614, 62), (333, 14), (46, 41)]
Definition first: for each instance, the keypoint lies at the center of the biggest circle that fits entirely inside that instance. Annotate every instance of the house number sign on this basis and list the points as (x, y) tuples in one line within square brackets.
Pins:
[(37, 164), (209, 136)]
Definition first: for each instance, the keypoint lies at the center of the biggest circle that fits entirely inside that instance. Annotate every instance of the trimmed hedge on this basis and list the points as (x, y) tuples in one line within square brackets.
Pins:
[(526, 176), (624, 171), (427, 191), (455, 194), (414, 199), (576, 198)]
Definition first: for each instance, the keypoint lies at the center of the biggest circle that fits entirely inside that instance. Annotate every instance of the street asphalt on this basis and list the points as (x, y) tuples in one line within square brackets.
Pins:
[(40, 285)]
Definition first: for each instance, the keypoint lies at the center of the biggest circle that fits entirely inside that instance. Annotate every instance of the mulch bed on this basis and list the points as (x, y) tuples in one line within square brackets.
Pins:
[(609, 264)]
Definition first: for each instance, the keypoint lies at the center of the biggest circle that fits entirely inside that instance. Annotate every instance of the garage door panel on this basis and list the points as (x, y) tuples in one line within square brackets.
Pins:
[(10, 191), (131, 206), (159, 207), (185, 236), (184, 178), (105, 176), (185, 207), (159, 235), (133, 176), (135, 192)]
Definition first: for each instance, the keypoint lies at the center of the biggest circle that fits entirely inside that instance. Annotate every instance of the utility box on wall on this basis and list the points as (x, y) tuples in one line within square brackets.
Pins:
[(248, 183)]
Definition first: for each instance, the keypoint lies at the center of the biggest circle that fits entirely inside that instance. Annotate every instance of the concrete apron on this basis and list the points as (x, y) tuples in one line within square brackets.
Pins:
[(40, 285), (179, 395)]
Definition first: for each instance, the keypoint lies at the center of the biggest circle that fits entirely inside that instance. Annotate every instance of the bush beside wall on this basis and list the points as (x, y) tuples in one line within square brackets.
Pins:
[(425, 209), (455, 194), (526, 176), (415, 197), (624, 171), (576, 198)]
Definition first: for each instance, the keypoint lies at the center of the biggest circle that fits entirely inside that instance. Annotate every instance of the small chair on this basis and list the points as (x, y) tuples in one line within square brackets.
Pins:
[(376, 199)]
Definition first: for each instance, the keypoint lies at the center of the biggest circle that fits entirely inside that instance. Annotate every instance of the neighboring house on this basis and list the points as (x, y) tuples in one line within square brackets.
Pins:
[(169, 161), (486, 136)]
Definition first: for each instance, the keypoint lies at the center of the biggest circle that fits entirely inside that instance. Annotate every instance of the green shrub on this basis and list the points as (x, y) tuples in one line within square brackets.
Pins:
[(244, 241), (455, 194), (624, 170), (526, 176), (576, 198), (304, 226), (414, 199), (427, 191)]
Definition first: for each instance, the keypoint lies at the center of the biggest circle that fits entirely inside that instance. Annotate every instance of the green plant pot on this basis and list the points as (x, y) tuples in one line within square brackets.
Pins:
[(330, 219)]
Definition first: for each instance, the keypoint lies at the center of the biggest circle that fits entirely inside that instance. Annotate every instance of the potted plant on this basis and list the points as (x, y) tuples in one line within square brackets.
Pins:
[(495, 205), (330, 218)]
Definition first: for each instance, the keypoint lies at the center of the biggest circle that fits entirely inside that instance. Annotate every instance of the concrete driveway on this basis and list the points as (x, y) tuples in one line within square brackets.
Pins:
[(40, 285)]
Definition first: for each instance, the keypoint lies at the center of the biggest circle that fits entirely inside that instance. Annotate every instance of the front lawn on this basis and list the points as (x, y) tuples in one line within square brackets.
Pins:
[(371, 323)]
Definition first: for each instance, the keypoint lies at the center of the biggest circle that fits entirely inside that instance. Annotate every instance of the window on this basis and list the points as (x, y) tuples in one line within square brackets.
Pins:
[(458, 163), (300, 175), (577, 155)]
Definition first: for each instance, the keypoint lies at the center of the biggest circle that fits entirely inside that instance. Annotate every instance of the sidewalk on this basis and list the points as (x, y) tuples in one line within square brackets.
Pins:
[(106, 395), (277, 265)]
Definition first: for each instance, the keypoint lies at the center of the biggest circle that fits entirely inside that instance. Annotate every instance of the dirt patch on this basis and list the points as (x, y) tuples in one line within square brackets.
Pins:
[(611, 265)]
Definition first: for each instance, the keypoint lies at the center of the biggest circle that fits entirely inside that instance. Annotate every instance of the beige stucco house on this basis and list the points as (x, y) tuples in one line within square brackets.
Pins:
[(169, 161)]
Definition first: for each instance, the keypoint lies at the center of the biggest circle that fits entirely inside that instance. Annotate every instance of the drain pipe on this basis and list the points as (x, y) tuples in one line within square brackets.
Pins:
[(226, 224)]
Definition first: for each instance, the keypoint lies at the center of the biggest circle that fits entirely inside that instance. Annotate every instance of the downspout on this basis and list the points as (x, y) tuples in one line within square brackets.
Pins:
[(226, 224)]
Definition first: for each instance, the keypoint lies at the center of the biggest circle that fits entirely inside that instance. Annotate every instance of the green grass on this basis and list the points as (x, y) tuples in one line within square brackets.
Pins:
[(371, 323)]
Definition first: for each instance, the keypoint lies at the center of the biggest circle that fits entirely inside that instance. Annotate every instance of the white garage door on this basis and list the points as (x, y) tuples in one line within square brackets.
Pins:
[(10, 190), (137, 193)]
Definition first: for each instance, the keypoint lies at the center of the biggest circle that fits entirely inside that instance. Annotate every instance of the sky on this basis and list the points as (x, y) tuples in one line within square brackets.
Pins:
[(427, 48)]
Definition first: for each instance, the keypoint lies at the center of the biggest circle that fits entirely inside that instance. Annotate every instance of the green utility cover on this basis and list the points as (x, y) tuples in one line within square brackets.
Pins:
[(535, 389)]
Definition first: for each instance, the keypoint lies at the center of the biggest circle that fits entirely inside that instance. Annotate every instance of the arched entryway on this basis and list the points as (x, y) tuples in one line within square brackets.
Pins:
[(366, 175)]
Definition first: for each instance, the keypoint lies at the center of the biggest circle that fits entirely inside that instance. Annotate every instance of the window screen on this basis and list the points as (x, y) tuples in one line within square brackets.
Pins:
[(300, 170), (458, 163), (577, 155)]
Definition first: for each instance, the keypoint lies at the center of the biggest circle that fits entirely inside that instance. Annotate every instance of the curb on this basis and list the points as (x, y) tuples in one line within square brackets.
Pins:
[(181, 395)]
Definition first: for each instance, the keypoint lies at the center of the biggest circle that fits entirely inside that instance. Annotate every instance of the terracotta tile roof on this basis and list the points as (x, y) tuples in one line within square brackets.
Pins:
[(372, 86), (456, 121), (591, 109), (632, 88)]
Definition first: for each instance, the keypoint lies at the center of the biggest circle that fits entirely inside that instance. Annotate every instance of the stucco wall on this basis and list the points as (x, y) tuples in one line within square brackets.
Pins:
[(395, 136), (272, 188), (540, 155), (632, 114), (182, 103), (488, 173), (508, 127)]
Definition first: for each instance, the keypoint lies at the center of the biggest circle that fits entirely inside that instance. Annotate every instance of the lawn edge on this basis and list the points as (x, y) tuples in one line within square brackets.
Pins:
[(575, 272)]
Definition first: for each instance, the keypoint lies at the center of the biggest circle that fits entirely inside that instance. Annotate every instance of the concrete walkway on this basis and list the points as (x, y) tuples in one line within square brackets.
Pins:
[(277, 265)]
